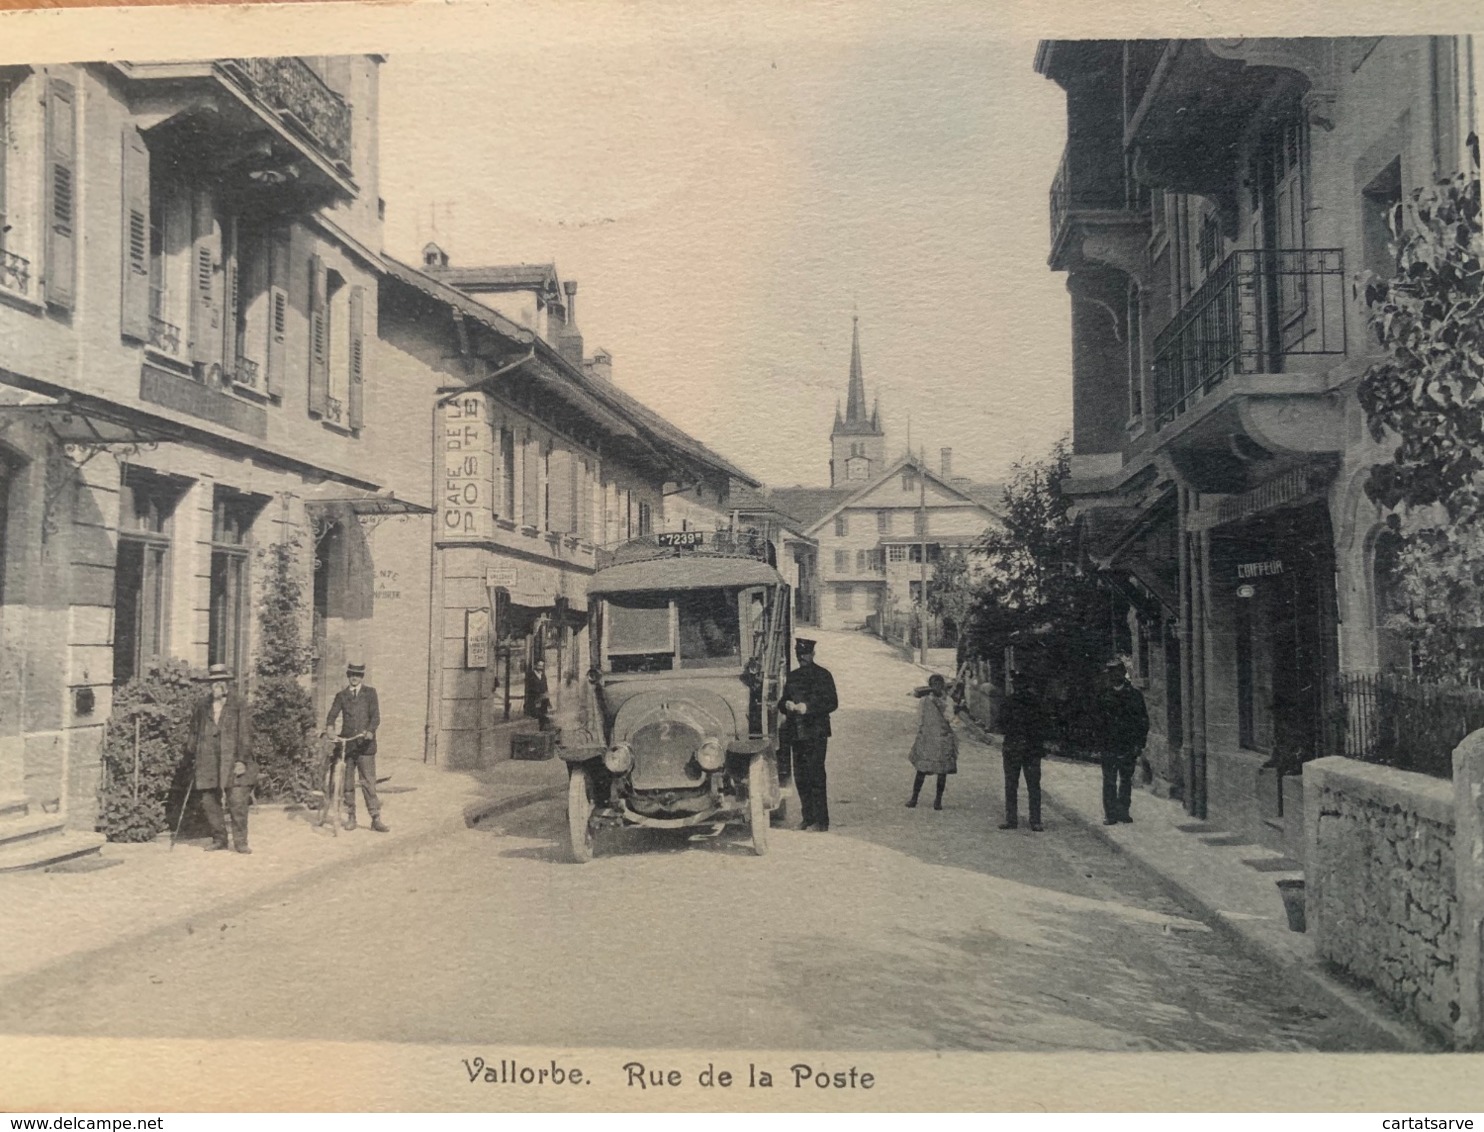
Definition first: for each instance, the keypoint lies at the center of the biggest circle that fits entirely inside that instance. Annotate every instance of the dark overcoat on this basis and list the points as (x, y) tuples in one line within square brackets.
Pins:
[(935, 751), (1124, 720), (359, 715), (218, 745), (813, 687)]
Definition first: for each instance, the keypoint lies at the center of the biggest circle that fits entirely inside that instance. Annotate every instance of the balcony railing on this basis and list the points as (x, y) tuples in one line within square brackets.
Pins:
[(246, 373), (334, 410), (164, 336), (1255, 311), (1092, 179), (15, 272), (290, 88)]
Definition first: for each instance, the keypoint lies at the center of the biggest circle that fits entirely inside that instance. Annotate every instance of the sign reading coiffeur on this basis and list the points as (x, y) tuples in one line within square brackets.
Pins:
[(1248, 570)]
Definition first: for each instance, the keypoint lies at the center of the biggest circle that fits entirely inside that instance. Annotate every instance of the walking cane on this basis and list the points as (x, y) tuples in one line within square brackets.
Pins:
[(180, 818)]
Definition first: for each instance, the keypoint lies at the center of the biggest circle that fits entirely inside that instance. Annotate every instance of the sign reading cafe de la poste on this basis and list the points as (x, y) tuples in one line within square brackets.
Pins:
[(468, 452)]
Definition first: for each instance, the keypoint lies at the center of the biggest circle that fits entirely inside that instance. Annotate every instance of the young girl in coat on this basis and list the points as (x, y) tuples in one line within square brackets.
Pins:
[(935, 751)]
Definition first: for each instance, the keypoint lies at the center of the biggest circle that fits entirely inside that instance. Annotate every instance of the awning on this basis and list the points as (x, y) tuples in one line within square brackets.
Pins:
[(683, 573), (83, 421), (382, 505)]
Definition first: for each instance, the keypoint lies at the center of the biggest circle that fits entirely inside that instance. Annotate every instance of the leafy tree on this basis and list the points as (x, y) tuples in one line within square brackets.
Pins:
[(282, 711), (1427, 395), (144, 762), (1034, 594), (950, 590)]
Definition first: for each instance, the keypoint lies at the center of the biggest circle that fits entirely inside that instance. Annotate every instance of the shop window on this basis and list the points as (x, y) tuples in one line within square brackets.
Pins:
[(231, 526), (141, 577)]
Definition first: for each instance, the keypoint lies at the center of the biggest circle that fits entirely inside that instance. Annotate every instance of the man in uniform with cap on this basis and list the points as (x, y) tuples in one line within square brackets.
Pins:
[(1124, 723), (220, 742), (807, 699), (360, 716)]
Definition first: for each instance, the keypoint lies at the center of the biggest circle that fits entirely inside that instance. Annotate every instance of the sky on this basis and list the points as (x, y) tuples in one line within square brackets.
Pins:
[(727, 200)]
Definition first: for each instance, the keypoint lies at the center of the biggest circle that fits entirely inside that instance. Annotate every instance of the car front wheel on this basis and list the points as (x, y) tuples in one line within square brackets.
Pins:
[(757, 803), (580, 814)]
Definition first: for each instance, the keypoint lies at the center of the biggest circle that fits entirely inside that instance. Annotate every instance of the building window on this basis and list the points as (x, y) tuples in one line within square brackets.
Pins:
[(646, 519), (337, 340), (1378, 201), (1208, 242), (231, 526), (897, 553), (862, 561), (249, 308), (842, 524), (20, 184), (169, 268), (146, 506), (883, 522), (844, 597), (919, 523), (909, 481), (842, 561), (507, 473)]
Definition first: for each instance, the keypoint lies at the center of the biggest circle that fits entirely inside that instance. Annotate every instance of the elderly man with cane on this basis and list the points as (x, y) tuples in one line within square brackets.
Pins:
[(220, 742)]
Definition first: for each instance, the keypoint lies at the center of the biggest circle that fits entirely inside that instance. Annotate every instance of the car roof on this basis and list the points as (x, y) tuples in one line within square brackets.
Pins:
[(683, 572)]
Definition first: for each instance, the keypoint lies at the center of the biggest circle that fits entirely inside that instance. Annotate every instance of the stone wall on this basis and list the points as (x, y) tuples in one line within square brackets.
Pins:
[(1379, 867)]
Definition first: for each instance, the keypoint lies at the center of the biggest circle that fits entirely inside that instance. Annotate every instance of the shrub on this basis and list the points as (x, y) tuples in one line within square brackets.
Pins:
[(160, 700)]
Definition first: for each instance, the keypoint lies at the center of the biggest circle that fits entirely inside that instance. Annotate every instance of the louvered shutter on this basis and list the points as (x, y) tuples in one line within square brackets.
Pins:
[(278, 313), (530, 488), (134, 309), (231, 296), (561, 491), (206, 321), (356, 395), (585, 502), (319, 346), (60, 248)]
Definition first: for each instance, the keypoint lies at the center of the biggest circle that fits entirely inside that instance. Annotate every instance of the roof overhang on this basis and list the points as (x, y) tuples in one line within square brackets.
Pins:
[(81, 421)]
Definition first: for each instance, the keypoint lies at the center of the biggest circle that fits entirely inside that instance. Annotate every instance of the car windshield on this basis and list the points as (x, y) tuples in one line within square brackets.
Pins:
[(658, 633)]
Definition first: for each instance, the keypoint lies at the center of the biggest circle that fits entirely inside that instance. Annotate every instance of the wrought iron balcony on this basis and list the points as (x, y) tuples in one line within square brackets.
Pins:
[(246, 373), (1255, 312), (290, 88), (1093, 179), (15, 272), (334, 410), (164, 336)]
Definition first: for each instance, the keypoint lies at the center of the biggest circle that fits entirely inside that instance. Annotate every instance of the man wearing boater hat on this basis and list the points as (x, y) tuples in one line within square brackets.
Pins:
[(807, 699), (220, 742), (360, 716)]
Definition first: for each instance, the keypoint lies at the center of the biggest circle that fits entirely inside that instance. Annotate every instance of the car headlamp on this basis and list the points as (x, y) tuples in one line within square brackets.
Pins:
[(710, 755), (619, 758)]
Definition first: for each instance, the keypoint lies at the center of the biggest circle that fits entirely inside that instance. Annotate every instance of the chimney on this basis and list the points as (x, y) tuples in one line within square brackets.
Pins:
[(434, 256), (600, 365), (569, 339), (945, 460)]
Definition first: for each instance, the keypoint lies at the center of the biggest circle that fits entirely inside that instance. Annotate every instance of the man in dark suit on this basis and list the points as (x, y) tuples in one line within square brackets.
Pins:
[(360, 716), (806, 702), (220, 742), (1125, 726)]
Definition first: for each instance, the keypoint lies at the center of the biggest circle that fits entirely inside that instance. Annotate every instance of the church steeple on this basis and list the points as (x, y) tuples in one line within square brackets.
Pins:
[(857, 442)]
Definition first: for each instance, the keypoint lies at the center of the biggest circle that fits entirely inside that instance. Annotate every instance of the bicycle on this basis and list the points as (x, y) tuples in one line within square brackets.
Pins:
[(333, 783)]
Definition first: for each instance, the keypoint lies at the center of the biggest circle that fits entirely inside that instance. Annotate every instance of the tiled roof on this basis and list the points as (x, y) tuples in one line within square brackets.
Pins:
[(515, 276), (809, 504), (443, 293)]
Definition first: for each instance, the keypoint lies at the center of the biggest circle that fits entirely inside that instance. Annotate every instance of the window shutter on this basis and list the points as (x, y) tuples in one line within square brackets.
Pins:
[(278, 313), (561, 491), (206, 322), (585, 503), (134, 309), (230, 297), (356, 395), (60, 248), (319, 369), (530, 488)]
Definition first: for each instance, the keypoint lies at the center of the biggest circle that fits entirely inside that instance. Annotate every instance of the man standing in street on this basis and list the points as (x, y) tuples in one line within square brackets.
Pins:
[(1023, 725), (220, 742), (807, 700), (360, 716), (1124, 723)]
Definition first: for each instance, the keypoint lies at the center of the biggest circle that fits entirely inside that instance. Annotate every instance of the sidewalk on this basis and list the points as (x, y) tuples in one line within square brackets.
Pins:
[(129, 891), (1232, 881)]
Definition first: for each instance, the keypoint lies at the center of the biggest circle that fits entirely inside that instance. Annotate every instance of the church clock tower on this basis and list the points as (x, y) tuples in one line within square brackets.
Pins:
[(857, 444)]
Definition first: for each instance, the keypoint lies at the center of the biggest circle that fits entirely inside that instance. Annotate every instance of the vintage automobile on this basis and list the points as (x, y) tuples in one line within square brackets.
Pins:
[(689, 635)]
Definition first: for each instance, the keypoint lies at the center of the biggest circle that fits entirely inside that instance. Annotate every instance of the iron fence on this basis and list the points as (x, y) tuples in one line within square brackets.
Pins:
[(307, 104), (1403, 722), (1255, 311)]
